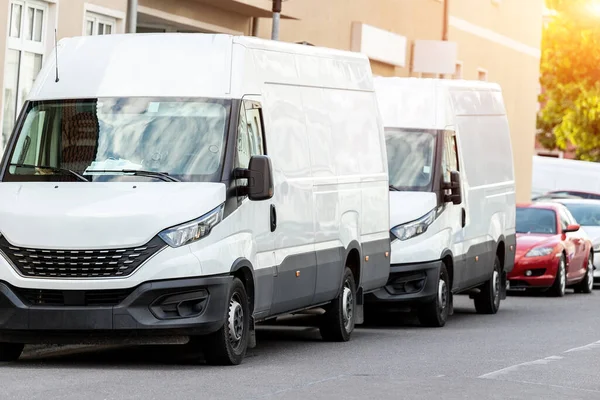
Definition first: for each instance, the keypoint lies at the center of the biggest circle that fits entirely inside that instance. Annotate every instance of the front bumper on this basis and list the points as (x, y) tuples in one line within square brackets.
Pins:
[(543, 272), (409, 283), (191, 306)]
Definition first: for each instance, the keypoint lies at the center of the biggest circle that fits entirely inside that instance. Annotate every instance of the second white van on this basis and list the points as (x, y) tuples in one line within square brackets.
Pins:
[(452, 194)]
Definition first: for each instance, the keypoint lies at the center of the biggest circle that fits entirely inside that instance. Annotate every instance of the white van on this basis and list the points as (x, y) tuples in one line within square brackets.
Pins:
[(562, 176), (189, 186), (452, 194)]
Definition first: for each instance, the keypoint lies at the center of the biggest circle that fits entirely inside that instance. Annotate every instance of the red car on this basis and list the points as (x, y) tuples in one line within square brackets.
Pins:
[(552, 252)]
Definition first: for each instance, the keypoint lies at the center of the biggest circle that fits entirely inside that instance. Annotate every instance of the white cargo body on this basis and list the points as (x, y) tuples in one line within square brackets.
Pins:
[(564, 176), (452, 194), (192, 185)]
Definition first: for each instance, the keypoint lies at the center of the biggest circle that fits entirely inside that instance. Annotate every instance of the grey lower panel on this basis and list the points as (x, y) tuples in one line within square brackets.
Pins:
[(477, 265), (294, 285), (376, 271), (330, 270), (263, 290), (509, 258)]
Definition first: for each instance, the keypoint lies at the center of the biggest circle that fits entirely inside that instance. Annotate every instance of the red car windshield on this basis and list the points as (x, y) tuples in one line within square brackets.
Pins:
[(536, 220)]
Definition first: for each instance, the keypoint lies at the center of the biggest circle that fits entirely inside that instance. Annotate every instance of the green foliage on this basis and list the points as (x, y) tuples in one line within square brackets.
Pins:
[(570, 72)]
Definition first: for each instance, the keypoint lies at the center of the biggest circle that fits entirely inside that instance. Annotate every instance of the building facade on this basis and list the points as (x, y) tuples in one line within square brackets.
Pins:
[(495, 40)]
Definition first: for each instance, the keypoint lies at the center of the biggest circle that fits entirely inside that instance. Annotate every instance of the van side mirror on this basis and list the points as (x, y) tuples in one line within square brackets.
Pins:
[(260, 178), (455, 187), (571, 228)]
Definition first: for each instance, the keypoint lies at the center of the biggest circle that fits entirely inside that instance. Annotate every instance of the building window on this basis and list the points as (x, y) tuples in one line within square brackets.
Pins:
[(458, 74), (482, 74), (26, 46), (96, 24)]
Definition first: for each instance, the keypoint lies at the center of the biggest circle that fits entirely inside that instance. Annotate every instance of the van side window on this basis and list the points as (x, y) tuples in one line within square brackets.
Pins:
[(243, 152), (250, 138), (255, 129), (449, 156)]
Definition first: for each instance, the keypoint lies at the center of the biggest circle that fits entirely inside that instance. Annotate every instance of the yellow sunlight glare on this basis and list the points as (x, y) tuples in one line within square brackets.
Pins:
[(595, 8)]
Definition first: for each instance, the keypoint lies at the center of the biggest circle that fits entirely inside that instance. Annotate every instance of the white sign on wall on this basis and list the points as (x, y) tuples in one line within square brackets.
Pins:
[(379, 45), (434, 57)]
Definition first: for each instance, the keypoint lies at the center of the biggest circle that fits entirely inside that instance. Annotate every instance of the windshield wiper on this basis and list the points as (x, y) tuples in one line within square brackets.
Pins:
[(394, 188), (53, 169), (138, 172)]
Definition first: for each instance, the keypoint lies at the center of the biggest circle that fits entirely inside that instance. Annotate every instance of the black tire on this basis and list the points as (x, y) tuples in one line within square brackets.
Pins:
[(435, 313), (228, 345), (560, 282), (10, 352), (488, 301), (337, 323), (586, 285)]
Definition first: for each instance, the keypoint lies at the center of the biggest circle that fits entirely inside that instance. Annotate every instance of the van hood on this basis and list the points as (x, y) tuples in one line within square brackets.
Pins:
[(80, 215), (409, 206)]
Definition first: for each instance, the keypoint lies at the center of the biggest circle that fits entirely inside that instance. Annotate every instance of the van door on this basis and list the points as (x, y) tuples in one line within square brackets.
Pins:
[(294, 247), (255, 216), (456, 214)]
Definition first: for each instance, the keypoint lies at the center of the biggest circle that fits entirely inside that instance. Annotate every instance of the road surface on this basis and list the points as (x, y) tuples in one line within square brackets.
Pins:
[(535, 348)]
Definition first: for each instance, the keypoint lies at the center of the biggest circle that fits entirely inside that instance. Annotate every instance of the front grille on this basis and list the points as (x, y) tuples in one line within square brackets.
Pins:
[(90, 298), (46, 263)]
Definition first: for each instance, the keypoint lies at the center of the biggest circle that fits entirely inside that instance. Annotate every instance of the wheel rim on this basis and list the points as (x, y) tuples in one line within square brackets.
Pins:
[(563, 278), (496, 287), (590, 273), (442, 295), (347, 306), (235, 322)]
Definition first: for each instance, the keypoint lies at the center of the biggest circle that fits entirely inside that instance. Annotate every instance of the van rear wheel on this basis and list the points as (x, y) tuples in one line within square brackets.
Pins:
[(337, 323), (488, 301), (10, 352), (228, 345), (435, 314)]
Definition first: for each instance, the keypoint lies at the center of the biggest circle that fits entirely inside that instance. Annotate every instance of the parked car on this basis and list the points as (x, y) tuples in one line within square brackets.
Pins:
[(447, 237), (552, 251), (274, 200), (587, 214)]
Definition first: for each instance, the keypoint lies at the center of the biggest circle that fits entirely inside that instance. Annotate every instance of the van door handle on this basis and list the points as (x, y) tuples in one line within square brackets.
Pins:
[(273, 218), (464, 217)]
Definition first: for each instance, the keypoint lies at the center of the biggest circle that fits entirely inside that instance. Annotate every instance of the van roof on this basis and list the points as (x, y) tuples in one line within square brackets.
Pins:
[(427, 103), (401, 82), (155, 65)]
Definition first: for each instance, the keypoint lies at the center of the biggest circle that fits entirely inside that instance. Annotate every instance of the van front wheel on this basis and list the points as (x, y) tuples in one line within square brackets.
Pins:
[(338, 322), (435, 314), (228, 345), (488, 301)]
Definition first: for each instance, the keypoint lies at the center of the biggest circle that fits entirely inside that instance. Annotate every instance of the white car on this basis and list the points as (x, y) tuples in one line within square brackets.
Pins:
[(587, 214)]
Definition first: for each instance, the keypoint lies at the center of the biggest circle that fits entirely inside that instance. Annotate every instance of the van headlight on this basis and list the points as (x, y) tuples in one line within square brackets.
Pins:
[(193, 231), (415, 228)]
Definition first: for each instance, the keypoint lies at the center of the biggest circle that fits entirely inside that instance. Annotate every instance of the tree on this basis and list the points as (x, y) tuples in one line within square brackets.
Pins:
[(570, 72)]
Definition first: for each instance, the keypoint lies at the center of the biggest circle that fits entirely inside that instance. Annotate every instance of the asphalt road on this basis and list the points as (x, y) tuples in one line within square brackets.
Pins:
[(534, 348)]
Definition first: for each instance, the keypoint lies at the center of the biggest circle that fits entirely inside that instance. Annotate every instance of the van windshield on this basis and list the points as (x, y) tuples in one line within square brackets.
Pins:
[(411, 154), (95, 139)]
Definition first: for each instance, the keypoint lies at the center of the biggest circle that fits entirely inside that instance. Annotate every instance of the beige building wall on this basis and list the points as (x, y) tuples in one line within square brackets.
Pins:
[(329, 23), (504, 40)]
